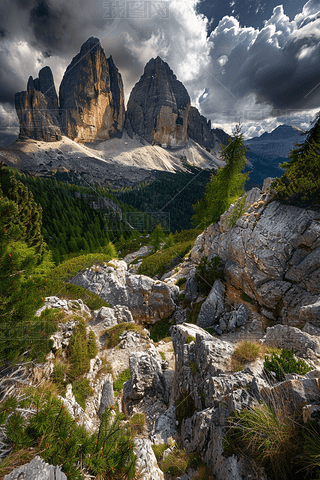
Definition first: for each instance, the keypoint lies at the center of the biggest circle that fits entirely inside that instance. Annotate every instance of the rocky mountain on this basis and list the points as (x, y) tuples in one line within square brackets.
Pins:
[(269, 150), (91, 96), (91, 105), (159, 105), (37, 108)]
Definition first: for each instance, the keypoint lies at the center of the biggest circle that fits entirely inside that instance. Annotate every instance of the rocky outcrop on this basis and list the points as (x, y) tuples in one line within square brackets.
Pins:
[(91, 96), (37, 109), (107, 395), (304, 344), (271, 254), (148, 300), (146, 462), (203, 375), (37, 469), (199, 129), (159, 105), (204, 378), (112, 316), (146, 379)]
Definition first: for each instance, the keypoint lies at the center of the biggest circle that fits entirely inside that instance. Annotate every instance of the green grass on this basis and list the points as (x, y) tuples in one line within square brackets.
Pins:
[(123, 377), (269, 435), (163, 356), (136, 424), (190, 339), (245, 352), (158, 450), (164, 261), (71, 267), (193, 367), (179, 461)]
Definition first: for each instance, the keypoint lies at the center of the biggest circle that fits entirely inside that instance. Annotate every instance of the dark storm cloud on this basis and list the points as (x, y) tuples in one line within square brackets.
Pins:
[(260, 72), (48, 26), (264, 66)]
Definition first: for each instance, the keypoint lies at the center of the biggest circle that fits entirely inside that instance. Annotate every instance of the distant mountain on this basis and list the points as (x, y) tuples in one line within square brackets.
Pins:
[(269, 150)]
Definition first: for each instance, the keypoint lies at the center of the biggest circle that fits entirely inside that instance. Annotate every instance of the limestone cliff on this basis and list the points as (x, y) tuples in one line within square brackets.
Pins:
[(159, 105), (273, 255), (37, 108), (91, 96)]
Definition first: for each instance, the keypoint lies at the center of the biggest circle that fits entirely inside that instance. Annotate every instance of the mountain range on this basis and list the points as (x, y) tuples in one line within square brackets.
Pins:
[(266, 152), (86, 128)]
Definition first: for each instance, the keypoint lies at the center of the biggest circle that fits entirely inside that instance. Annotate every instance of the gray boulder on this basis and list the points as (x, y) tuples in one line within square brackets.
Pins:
[(191, 290), (107, 396), (213, 307), (37, 469), (165, 426), (112, 316), (146, 379), (283, 336), (148, 300)]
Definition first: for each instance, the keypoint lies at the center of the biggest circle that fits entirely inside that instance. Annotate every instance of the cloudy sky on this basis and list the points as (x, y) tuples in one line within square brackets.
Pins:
[(251, 60)]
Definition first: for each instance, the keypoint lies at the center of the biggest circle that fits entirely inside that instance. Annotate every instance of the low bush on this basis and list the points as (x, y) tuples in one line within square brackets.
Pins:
[(61, 441), (207, 273), (123, 377), (193, 313), (77, 351), (285, 363), (238, 211), (181, 282), (193, 367), (190, 339), (185, 407), (92, 345), (113, 338), (81, 390), (246, 297), (161, 330)]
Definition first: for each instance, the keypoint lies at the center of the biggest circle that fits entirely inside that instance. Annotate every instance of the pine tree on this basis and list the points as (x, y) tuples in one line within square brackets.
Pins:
[(24, 262), (157, 237), (226, 186), (311, 142)]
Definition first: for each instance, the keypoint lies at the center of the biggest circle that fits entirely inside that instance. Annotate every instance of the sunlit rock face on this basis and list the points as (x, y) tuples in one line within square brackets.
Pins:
[(91, 96), (159, 105), (37, 109)]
